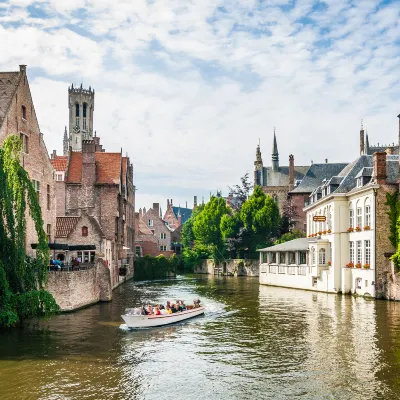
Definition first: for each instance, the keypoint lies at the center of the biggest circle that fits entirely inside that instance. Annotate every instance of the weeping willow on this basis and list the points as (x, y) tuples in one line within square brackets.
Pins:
[(22, 279)]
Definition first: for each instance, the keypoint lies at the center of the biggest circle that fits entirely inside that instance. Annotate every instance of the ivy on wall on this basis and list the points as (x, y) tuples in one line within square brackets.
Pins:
[(22, 279), (392, 200)]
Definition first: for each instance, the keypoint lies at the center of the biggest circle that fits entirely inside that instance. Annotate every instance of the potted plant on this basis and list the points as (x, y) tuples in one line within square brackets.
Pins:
[(324, 232), (329, 263), (350, 265), (358, 265), (350, 230), (329, 231), (358, 229), (367, 266), (367, 228), (319, 233)]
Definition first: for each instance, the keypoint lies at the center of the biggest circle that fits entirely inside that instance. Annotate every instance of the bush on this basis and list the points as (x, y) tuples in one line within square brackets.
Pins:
[(148, 267)]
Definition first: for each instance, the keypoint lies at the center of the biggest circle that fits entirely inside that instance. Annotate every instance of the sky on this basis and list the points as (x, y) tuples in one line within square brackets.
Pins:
[(188, 88)]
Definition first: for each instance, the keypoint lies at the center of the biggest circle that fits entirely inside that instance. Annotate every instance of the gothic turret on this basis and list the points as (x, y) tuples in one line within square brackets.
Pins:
[(81, 108), (275, 155), (258, 168), (65, 142), (362, 143)]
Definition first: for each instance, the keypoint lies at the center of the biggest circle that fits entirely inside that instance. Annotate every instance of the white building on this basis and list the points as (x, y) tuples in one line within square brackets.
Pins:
[(340, 254)]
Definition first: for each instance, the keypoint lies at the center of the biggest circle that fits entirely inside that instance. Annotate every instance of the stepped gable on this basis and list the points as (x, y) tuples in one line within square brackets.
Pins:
[(65, 225), (60, 163), (8, 86)]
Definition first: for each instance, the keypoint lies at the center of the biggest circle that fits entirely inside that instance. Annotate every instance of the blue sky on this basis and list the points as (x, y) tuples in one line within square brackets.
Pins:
[(187, 88)]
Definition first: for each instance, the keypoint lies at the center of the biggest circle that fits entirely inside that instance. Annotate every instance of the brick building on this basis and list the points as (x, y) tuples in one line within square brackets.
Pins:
[(177, 216), (93, 182), (154, 234), (18, 117)]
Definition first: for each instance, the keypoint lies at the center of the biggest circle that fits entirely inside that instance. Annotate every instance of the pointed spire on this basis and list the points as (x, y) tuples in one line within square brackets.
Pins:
[(275, 154), (362, 139), (366, 151)]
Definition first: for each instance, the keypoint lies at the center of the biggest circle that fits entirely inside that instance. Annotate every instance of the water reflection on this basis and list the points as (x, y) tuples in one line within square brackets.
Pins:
[(254, 342)]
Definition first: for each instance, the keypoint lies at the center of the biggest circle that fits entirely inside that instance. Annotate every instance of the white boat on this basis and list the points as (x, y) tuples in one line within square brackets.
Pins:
[(148, 321)]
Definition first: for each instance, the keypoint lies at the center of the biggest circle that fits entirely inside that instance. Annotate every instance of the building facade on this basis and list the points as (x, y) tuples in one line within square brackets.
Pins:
[(18, 117)]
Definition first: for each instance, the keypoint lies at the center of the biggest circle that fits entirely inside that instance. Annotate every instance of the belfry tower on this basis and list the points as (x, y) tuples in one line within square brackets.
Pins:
[(81, 108)]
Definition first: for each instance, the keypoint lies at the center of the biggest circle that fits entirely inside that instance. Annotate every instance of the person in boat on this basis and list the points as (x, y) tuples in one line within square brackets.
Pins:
[(168, 309), (149, 309), (144, 310), (182, 306), (156, 311), (196, 303), (177, 307)]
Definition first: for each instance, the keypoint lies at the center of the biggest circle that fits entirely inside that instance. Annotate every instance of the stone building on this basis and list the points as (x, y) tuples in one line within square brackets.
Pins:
[(153, 230), (18, 117), (277, 180), (91, 181)]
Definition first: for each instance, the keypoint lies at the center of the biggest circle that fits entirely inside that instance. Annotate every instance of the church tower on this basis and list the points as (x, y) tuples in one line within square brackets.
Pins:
[(81, 107), (258, 168), (65, 142), (275, 155)]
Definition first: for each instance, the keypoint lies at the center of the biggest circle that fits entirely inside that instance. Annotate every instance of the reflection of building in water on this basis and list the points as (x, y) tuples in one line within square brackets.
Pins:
[(336, 340)]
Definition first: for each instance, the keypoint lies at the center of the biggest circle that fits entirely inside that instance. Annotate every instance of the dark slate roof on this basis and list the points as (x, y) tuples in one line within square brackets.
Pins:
[(8, 85), (316, 174), (281, 177), (185, 213), (366, 171)]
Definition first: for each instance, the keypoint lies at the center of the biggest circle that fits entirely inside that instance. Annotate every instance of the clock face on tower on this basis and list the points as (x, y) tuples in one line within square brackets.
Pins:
[(76, 129)]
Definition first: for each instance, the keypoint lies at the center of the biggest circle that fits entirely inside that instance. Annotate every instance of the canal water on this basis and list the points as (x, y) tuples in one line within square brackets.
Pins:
[(254, 342)]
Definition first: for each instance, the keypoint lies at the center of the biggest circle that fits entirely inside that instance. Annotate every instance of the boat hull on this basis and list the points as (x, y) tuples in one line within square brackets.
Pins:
[(148, 321)]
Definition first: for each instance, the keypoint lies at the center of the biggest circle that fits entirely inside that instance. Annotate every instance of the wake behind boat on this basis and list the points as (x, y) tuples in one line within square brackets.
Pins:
[(148, 321)]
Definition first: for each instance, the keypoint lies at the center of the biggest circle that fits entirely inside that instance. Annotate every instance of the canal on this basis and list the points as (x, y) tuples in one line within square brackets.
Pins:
[(253, 343)]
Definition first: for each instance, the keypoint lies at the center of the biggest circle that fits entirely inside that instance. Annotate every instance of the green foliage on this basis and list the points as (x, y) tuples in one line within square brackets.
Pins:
[(286, 237), (148, 267), (392, 200), (192, 256), (22, 279), (188, 237)]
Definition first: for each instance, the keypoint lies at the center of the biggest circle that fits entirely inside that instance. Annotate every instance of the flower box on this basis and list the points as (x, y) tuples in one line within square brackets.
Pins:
[(329, 231), (350, 265), (358, 265), (358, 229), (329, 263), (367, 228), (350, 230), (324, 232), (320, 233), (367, 266)]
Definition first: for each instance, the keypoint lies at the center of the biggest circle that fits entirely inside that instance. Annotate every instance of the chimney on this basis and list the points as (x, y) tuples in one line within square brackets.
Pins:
[(144, 210), (156, 208), (195, 202), (171, 203), (362, 143), (380, 168), (88, 162), (22, 68), (291, 172), (54, 155), (167, 204), (140, 213)]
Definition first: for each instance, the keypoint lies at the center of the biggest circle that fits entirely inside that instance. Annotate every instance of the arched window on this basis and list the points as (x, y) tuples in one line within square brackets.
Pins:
[(322, 256), (351, 216), (84, 117), (84, 110), (85, 231), (76, 110), (359, 214), (312, 256)]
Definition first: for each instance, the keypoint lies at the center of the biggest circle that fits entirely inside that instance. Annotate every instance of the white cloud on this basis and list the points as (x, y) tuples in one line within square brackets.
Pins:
[(188, 87)]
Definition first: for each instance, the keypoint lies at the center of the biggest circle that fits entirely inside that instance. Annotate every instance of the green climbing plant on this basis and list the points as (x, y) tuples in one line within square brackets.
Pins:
[(22, 279)]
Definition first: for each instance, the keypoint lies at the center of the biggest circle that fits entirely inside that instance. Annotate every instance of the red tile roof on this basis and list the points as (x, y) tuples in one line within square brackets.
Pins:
[(60, 163), (65, 225), (108, 167), (75, 168)]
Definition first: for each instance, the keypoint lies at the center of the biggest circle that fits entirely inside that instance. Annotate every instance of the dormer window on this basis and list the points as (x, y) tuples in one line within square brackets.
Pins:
[(359, 182)]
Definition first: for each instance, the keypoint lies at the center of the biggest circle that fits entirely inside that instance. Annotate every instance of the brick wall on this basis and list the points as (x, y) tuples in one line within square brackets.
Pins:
[(237, 267), (73, 290), (298, 202), (36, 160), (158, 227)]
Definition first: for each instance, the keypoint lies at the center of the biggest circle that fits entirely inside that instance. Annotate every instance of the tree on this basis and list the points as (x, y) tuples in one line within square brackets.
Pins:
[(188, 237), (240, 193), (206, 226), (260, 217), (286, 237), (22, 279)]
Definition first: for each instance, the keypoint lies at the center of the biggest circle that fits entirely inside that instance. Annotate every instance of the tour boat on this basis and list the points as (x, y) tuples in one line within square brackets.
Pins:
[(148, 321)]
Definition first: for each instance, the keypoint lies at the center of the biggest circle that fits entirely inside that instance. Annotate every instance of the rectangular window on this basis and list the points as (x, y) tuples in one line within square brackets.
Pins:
[(36, 187), (359, 217), (282, 258), (79, 256), (272, 258), (306, 201), (163, 235), (292, 257), (137, 251), (92, 256), (59, 177), (351, 252), (24, 140), (359, 251), (48, 232), (367, 250), (163, 248), (351, 216), (116, 227), (86, 257), (23, 109), (302, 257), (150, 222), (48, 197), (368, 216)]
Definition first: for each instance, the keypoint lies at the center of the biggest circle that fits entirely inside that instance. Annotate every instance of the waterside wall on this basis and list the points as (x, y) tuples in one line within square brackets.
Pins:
[(229, 267), (77, 289)]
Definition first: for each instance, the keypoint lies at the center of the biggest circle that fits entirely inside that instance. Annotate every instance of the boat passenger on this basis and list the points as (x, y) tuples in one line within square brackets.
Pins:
[(182, 306), (177, 308), (144, 311), (149, 309), (168, 310), (156, 311)]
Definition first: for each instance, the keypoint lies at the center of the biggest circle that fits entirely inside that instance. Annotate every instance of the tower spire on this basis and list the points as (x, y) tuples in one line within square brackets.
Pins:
[(65, 142), (275, 154), (362, 139), (258, 167)]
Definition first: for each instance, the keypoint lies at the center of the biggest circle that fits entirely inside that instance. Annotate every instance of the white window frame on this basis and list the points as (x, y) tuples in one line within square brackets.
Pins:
[(351, 218), (322, 256), (150, 222), (358, 252), (351, 252), (313, 256), (367, 251), (359, 217), (368, 215)]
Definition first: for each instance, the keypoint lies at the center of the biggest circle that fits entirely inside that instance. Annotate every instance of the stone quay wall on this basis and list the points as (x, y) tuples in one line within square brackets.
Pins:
[(77, 289), (229, 267)]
